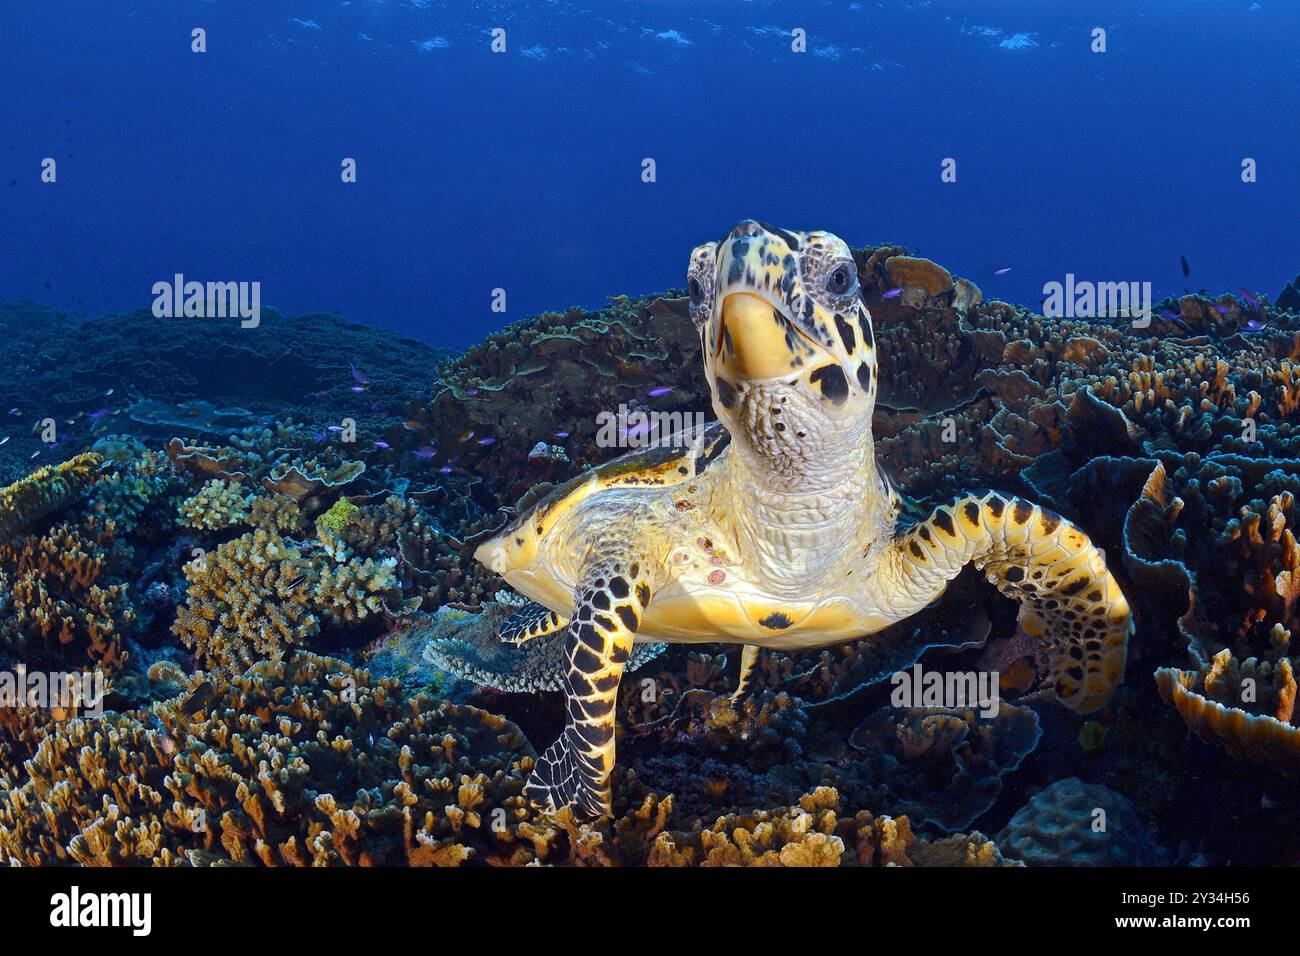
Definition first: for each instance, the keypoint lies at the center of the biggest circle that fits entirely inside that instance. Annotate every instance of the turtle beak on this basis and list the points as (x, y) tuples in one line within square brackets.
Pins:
[(492, 556), (755, 341)]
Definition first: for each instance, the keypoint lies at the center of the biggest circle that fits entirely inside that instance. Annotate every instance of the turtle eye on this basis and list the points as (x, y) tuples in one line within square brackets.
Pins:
[(696, 290), (840, 281)]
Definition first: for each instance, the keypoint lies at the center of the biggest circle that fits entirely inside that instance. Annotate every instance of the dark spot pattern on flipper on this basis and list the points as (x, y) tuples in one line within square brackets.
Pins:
[(776, 621), (574, 771)]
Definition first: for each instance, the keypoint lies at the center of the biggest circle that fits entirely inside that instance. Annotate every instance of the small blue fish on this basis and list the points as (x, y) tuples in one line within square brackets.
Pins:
[(1003, 271), (445, 470), (470, 393), (486, 441), (383, 444), (424, 454), (561, 434), (1255, 325), (336, 428), (1249, 298), (661, 390), (892, 294), (358, 376), (99, 414), (358, 388)]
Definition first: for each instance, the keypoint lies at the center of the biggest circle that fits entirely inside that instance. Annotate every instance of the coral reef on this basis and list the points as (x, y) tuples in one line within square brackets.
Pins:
[(260, 594), (252, 500)]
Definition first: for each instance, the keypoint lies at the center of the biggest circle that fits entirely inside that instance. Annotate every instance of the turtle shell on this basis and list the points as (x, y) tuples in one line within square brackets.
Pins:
[(670, 463)]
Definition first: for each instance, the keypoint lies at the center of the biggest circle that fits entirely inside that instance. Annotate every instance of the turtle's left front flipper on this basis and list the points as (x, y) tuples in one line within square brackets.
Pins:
[(1067, 595)]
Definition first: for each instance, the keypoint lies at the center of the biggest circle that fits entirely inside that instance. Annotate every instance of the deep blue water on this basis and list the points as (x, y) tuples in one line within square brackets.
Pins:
[(523, 170)]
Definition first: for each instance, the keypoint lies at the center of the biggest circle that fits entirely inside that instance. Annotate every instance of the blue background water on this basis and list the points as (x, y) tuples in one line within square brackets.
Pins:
[(523, 170)]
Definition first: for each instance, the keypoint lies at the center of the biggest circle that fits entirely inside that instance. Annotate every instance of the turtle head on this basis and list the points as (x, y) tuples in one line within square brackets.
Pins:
[(788, 348)]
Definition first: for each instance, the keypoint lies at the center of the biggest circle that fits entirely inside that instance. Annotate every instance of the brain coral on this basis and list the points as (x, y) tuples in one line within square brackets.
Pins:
[(1061, 826)]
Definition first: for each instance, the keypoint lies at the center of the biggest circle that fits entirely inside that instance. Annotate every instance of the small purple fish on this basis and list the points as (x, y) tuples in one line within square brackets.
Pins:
[(14, 411), (661, 390), (1255, 325), (892, 294), (424, 454), (336, 428), (358, 388), (99, 414), (445, 470), (471, 392), (358, 376), (1249, 298), (561, 434), (383, 444), (1003, 271), (486, 441), (319, 437)]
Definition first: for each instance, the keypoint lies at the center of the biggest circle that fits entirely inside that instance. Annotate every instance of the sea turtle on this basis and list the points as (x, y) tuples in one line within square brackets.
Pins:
[(773, 526)]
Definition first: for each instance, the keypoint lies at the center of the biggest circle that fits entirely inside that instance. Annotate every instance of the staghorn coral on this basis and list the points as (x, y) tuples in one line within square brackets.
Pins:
[(296, 762), (67, 604), (816, 832)]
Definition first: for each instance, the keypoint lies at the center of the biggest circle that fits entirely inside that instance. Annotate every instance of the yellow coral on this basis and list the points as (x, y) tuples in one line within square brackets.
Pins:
[(44, 492)]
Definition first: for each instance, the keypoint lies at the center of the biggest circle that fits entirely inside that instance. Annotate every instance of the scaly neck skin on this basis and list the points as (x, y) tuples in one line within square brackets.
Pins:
[(798, 519)]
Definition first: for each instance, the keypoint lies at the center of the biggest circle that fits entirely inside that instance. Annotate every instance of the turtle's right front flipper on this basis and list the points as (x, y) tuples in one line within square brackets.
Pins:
[(1068, 597), (612, 595)]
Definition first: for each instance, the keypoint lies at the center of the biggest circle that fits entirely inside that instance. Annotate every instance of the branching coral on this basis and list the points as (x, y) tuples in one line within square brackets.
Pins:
[(44, 492), (261, 593), (218, 504)]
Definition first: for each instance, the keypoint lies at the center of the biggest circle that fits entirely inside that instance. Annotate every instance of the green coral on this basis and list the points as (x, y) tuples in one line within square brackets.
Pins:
[(337, 516)]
